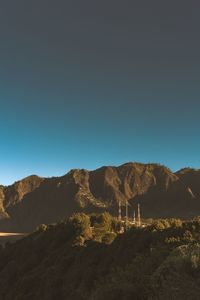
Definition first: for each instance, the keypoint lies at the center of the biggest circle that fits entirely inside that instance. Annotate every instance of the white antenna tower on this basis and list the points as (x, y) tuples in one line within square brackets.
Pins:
[(139, 219), (120, 211), (126, 221), (134, 219)]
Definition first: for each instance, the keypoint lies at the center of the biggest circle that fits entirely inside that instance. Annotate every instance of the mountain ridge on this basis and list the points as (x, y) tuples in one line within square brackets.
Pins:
[(161, 193)]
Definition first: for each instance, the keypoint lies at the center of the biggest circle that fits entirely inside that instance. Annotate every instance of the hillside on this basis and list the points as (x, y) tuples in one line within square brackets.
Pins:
[(161, 193), (67, 261)]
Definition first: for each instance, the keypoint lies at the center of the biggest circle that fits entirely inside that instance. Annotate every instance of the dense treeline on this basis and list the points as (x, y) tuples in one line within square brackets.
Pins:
[(84, 257)]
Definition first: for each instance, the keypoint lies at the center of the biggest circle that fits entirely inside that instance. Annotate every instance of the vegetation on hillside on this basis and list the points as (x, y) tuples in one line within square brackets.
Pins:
[(84, 257)]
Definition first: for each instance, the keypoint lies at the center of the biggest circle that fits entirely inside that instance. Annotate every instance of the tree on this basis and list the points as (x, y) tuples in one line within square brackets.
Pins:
[(80, 225)]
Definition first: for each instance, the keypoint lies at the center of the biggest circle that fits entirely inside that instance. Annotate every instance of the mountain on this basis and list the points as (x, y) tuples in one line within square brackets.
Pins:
[(161, 193)]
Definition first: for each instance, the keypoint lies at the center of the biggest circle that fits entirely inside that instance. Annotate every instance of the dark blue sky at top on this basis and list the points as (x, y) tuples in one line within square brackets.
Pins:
[(91, 83)]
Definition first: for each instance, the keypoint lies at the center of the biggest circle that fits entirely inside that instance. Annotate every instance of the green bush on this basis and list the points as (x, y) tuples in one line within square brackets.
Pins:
[(80, 225)]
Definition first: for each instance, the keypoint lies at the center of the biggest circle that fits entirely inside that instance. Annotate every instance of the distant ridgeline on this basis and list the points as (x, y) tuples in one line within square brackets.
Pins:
[(85, 258), (160, 193)]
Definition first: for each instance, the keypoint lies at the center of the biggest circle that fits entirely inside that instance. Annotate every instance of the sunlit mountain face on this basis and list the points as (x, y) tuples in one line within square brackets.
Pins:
[(160, 193)]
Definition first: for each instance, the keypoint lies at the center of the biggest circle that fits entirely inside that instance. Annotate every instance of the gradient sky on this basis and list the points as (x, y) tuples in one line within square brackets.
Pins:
[(91, 83)]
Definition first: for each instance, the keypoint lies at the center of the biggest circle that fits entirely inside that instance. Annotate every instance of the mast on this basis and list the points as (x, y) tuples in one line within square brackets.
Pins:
[(139, 219), (120, 211), (126, 221), (134, 219)]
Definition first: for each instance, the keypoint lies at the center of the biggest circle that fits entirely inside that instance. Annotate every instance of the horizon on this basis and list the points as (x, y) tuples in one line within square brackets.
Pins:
[(93, 169), (85, 85)]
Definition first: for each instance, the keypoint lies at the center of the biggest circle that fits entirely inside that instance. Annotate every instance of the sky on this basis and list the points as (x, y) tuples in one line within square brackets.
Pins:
[(91, 83)]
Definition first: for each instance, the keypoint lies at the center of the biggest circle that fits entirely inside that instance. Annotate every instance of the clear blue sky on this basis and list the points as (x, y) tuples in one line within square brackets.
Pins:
[(91, 83)]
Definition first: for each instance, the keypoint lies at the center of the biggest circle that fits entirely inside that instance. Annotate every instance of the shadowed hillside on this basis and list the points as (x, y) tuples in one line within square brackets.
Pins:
[(84, 258), (161, 193)]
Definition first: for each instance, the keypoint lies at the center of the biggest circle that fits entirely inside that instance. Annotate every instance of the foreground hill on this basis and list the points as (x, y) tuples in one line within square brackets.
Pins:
[(6, 237), (161, 193), (69, 261)]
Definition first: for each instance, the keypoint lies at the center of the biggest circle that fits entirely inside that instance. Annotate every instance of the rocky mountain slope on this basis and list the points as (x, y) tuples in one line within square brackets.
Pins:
[(161, 193)]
